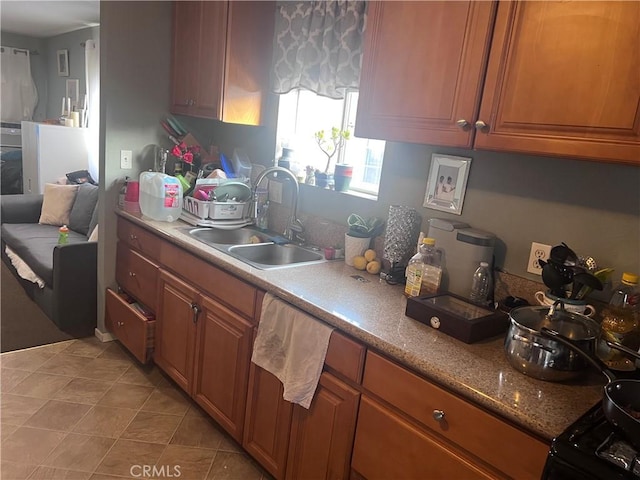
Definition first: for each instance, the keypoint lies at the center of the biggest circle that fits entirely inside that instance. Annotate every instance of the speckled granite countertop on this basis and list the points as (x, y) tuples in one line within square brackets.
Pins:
[(374, 313)]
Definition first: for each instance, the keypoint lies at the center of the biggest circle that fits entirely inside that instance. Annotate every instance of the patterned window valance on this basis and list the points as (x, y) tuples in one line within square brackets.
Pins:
[(318, 46)]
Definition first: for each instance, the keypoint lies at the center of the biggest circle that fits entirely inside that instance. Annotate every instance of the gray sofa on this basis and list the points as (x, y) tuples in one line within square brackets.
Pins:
[(69, 297)]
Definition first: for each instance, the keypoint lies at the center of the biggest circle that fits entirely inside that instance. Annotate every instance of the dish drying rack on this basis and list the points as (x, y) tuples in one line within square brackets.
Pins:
[(230, 214)]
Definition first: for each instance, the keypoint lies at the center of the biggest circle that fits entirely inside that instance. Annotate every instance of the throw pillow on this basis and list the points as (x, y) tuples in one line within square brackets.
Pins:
[(83, 207), (56, 204)]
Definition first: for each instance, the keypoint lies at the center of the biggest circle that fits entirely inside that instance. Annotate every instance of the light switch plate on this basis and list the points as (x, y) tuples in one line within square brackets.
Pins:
[(126, 159)]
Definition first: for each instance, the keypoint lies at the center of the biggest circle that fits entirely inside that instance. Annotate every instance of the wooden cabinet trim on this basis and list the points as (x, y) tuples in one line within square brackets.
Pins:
[(345, 357), (230, 290), (139, 239), (137, 275)]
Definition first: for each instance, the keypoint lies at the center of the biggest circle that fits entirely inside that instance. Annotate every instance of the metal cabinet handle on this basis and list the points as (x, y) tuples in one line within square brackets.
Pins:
[(480, 125), (438, 415), (120, 324), (132, 274), (132, 236), (196, 311), (462, 123)]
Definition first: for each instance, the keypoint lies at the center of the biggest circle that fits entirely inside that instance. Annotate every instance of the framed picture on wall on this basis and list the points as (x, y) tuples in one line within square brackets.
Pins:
[(63, 63), (447, 183), (73, 91)]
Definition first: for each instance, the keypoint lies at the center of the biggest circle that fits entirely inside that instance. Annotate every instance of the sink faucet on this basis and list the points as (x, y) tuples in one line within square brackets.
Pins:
[(294, 231)]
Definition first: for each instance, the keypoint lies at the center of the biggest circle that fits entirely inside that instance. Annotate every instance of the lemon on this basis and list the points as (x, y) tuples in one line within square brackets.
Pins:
[(373, 267), (370, 255), (360, 262)]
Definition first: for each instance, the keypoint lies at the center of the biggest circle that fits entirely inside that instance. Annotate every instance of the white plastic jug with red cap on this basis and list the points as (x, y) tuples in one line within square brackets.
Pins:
[(160, 196)]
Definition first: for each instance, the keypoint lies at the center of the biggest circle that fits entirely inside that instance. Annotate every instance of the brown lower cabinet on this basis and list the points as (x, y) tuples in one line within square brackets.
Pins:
[(292, 442), (387, 446), (205, 348)]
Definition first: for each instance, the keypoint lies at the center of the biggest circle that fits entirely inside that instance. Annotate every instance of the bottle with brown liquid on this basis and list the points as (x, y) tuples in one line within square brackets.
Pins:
[(621, 324)]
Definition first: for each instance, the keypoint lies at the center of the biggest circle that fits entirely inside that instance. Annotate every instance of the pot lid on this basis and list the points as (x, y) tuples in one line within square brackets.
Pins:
[(572, 325)]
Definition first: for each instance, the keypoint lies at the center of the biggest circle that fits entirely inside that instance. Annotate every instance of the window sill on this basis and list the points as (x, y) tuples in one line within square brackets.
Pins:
[(353, 193)]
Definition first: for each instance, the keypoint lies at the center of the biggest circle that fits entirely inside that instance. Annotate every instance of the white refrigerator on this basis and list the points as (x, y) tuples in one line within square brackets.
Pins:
[(49, 152)]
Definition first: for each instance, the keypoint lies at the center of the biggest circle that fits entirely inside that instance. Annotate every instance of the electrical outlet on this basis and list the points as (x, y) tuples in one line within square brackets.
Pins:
[(275, 191), (539, 251), (126, 159)]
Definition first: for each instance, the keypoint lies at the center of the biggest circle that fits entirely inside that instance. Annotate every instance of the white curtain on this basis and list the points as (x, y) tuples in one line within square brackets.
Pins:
[(92, 70), (19, 95)]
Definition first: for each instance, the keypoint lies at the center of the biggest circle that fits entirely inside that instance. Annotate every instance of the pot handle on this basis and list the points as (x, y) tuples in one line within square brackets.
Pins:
[(592, 359), (624, 349), (532, 342)]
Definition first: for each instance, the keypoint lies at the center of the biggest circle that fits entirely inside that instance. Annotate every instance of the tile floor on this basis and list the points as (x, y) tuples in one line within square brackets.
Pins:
[(82, 409)]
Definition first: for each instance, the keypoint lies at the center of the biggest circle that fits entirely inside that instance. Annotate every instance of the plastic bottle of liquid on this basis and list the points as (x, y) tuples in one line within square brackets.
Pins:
[(481, 284), (620, 324), (63, 236), (424, 271)]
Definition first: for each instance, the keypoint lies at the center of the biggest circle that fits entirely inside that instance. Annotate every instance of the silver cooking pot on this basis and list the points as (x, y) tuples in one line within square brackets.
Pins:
[(542, 357)]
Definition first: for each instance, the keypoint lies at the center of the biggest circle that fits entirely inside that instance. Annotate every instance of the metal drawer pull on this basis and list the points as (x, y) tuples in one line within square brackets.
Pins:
[(132, 274), (438, 415), (480, 125), (196, 311), (132, 236), (462, 123), (120, 324)]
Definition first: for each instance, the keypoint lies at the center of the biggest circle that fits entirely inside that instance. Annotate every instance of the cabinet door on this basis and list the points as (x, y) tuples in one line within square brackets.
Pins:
[(222, 365), (175, 329), (209, 70), (563, 80), (388, 446), (322, 437), (267, 422), (184, 55), (422, 71)]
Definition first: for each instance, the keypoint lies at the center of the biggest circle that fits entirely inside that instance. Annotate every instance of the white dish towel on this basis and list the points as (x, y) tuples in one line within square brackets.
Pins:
[(292, 346)]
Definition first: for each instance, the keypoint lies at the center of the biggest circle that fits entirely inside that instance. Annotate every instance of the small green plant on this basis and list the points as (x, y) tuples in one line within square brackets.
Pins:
[(364, 228), (330, 145)]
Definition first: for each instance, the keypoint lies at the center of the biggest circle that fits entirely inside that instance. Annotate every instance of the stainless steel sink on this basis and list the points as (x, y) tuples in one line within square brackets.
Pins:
[(256, 248), (239, 236), (271, 255)]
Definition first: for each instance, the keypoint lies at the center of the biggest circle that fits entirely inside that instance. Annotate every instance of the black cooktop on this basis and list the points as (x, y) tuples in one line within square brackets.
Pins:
[(592, 449)]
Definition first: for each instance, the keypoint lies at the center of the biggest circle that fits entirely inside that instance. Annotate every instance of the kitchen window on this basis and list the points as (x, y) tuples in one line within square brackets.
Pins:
[(301, 113)]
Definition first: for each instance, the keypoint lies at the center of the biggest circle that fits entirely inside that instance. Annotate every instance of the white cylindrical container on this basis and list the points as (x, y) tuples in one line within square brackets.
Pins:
[(160, 196)]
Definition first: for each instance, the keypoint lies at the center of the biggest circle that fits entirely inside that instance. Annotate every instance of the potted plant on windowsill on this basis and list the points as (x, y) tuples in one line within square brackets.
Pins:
[(330, 145)]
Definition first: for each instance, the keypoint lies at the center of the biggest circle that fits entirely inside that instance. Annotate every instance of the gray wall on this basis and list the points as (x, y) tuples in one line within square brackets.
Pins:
[(44, 69), (593, 207), (57, 85), (135, 45)]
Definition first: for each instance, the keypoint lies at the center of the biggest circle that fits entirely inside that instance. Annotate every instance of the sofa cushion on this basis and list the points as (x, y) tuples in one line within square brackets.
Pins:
[(34, 243), (57, 203), (83, 207)]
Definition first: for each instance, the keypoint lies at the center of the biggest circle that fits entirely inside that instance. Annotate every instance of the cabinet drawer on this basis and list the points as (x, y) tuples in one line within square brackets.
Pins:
[(225, 287), (345, 357), (133, 329), (137, 275), (388, 446), (508, 449), (139, 239)]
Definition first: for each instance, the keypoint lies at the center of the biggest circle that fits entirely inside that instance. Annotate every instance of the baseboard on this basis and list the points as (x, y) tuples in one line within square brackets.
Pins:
[(104, 336)]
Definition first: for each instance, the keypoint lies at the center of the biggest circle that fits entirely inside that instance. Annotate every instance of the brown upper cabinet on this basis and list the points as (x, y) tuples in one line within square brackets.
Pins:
[(221, 54), (546, 78)]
